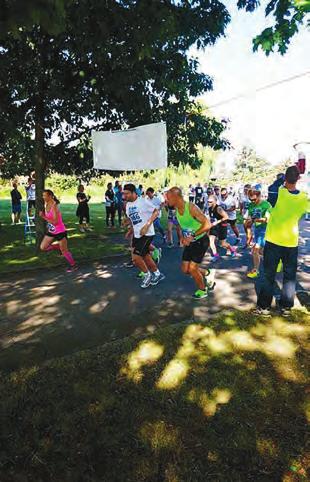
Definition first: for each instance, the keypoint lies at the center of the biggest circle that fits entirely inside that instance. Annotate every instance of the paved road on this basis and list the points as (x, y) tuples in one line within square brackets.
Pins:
[(51, 313)]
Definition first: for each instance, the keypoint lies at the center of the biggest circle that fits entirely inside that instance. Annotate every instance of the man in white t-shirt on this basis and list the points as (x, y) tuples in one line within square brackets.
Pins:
[(141, 214), (228, 203), (158, 203)]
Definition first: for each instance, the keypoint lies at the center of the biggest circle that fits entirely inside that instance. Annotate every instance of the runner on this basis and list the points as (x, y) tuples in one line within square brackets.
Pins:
[(258, 215), (218, 218), (244, 203), (217, 193), (158, 203), (141, 213), (16, 198), (195, 240), (282, 244), (228, 203), (56, 230), (173, 222), (82, 211)]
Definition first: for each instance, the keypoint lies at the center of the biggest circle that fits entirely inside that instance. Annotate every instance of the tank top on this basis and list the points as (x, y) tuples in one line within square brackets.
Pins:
[(52, 228), (189, 225), (215, 216)]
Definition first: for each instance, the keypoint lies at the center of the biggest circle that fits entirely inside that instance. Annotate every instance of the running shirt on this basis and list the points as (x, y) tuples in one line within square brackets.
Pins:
[(139, 212), (189, 225), (31, 192), (245, 201), (157, 202), (214, 215), (53, 228), (260, 210), (228, 203), (282, 228)]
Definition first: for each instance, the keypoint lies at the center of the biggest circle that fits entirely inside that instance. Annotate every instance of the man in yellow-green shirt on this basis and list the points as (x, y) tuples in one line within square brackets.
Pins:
[(282, 243)]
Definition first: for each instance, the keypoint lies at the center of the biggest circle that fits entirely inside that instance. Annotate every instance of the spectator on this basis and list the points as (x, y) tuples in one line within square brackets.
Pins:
[(119, 203), (110, 205), (16, 198), (31, 196), (83, 209), (274, 188), (282, 243)]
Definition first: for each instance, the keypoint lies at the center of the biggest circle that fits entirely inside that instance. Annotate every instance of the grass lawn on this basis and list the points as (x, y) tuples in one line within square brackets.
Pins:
[(217, 402), (16, 256)]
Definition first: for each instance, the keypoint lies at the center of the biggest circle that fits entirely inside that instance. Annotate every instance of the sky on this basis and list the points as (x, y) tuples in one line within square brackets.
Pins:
[(270, 121)]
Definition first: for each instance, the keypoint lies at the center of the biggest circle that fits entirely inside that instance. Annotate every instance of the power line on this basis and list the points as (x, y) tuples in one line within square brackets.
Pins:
[(259, 89)]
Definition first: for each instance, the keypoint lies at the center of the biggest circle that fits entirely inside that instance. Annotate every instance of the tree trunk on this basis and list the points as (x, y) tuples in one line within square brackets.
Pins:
[(40, 180)]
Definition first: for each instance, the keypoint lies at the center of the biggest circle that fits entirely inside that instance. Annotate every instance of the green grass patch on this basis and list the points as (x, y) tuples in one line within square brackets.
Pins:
[(222, 401), (15, 255)]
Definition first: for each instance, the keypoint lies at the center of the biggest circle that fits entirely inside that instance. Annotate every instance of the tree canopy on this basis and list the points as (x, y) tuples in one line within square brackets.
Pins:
[(116, 64), (287, 16)]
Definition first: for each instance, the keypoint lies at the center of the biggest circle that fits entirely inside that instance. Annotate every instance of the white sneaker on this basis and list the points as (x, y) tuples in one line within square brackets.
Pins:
[(157, 278), (146, 281)]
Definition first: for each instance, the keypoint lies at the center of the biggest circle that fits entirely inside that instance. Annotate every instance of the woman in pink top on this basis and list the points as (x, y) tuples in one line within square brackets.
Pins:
[(56, 230)]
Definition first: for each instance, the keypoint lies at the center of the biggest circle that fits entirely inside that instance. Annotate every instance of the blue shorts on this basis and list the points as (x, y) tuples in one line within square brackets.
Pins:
[(259, 237), (16, 208)]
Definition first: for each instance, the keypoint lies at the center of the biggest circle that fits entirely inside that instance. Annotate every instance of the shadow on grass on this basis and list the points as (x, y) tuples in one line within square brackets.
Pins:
[(222, 401)]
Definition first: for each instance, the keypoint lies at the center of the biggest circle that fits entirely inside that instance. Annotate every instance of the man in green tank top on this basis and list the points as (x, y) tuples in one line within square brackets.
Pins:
[(194, 226)]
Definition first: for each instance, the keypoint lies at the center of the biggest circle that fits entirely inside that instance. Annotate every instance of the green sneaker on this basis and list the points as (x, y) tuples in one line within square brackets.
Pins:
[(141, 274), (200, 294), (280, 266)]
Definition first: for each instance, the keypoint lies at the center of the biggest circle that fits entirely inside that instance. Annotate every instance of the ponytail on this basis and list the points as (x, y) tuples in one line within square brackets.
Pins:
[(50, 193)]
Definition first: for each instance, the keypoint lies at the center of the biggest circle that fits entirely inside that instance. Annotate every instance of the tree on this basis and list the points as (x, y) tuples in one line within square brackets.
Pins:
[(116, 63), (289, 16), (249, 167)]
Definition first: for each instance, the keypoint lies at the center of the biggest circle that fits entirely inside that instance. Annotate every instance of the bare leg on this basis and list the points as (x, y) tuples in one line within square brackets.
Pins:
[(139, 263), (256, 257), (212, 245), (150, 263), (169, 233), (235, 230), (46, 242), (197, 275)]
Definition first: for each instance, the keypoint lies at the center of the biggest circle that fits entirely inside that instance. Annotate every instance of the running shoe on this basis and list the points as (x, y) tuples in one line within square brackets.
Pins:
[(157, 278), (280, 266), (129, 264), (262, 312), (210, 286), (71, 269), (170, 245), (146, 281), (200, 294), (215, 258), (233, 252), (141, 274), (253, 274)]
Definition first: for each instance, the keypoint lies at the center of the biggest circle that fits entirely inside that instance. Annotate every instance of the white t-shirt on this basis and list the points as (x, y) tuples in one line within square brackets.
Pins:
[(31, 192), (228, 203), (157, 202), (244, 200), (139, 212)]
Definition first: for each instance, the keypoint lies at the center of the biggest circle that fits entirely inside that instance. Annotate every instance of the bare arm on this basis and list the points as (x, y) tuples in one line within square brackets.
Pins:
[(201, 218), (222, 213)]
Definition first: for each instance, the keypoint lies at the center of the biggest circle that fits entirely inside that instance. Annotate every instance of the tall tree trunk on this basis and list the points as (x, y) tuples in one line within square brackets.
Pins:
[(40, 178)]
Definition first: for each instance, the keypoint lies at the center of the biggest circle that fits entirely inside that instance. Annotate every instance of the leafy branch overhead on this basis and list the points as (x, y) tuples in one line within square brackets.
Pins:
[(287, 18)]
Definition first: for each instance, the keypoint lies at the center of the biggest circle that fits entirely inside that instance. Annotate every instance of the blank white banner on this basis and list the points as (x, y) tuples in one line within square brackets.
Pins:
[(143, 147)]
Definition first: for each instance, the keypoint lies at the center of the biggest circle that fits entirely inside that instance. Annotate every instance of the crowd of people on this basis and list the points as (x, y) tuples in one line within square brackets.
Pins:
[(201, 218)]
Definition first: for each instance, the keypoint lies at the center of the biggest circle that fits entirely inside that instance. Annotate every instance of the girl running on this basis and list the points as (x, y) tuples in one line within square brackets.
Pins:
[(56, 230)]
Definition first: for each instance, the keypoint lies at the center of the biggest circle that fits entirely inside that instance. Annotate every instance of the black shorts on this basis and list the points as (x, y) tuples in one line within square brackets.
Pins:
[(232, 222), (195, 251), (31, 204), (58, 236), (220, 231), (141, 246)]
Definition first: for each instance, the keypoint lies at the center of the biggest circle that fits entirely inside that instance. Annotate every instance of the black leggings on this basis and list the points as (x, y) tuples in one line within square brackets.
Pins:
[(110, 214)]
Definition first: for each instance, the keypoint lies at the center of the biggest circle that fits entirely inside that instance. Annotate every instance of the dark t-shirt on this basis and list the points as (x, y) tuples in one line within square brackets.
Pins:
[(198, 192), (15, 196), (81, 196)]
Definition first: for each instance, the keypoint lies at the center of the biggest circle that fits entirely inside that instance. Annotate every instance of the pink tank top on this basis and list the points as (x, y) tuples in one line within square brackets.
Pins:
[(52, 228)]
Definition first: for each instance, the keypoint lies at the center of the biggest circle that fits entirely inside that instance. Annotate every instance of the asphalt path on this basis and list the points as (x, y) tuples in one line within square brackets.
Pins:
[(50, 313)]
